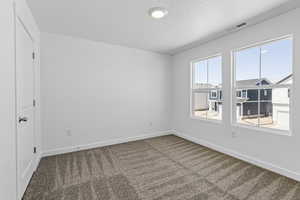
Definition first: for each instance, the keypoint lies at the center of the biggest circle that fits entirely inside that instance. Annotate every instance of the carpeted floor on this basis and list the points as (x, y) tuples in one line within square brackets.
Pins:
[(163, 168)]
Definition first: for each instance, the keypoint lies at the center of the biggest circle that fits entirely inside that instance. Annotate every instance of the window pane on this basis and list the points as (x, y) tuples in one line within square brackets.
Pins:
[(207, 102), (215, 105), (266, 115), (200, 74), (200, 104), (276, 66), (277, 111), (277, 60), (215, 72), (247, 63), (247, 108)]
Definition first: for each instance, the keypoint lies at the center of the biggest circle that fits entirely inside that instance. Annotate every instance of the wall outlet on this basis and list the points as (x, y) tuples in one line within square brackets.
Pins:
[(69, 132), (150, 124)]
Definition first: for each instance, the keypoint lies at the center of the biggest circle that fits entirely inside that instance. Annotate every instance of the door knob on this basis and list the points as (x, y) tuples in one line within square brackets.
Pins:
[(23, 119)]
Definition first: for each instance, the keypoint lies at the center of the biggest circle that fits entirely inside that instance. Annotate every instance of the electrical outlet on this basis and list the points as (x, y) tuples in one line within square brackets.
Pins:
[(150, 124)]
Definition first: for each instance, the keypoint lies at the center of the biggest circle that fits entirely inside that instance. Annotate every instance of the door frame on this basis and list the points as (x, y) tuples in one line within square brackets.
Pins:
[(18, 17)]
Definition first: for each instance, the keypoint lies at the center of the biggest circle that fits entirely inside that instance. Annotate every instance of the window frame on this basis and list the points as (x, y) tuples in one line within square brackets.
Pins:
[(234, 89), (192, 62)]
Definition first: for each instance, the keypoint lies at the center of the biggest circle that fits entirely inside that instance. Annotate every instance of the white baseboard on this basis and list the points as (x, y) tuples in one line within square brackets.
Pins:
[(104, 143), (37, 161), (260, 163)]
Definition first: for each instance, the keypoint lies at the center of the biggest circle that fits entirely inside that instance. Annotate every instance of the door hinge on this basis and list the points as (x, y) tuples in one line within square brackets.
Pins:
[(34, 103), (34, 149), (33, 55)]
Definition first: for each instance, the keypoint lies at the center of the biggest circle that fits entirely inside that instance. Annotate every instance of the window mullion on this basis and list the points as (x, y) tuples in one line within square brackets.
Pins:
[(197, 73), (207, 71), (207, 78), (196, 78), (260, 85)]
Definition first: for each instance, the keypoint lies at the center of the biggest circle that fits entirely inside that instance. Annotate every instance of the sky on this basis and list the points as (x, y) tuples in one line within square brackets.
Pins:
[(209, 71), (276, 64), (276, 61)]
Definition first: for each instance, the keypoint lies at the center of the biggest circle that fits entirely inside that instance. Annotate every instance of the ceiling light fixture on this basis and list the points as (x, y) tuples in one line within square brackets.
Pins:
[(158, 12)]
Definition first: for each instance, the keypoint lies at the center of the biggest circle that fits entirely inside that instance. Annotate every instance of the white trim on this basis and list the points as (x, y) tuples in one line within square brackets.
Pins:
[(37, 161), (15, 99), (104, 143), (20, 16), (264, 42), (192, 90), (193, 61), (262, 129), (234, 88), (266, 165)]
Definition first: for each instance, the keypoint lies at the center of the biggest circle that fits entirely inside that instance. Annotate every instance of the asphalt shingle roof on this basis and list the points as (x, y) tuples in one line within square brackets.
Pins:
[(252, 82)]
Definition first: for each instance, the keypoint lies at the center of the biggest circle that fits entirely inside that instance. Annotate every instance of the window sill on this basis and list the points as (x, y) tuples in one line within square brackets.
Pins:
[(263, 130)]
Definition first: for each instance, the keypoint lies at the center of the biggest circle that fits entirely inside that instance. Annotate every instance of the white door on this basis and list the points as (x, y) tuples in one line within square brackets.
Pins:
[(25, 107)]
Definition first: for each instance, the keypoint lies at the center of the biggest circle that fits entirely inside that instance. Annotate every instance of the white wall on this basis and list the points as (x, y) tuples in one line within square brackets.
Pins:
[(7, 103), (275, 151), (101, 92)]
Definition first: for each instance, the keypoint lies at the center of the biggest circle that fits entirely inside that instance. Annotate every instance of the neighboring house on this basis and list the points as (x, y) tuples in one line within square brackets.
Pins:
[(201, 102), (281, 101), (273, 102), (247, 99), (215, 101)]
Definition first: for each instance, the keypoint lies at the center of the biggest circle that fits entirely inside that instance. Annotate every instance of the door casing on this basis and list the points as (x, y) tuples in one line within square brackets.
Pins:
[(20, 22)]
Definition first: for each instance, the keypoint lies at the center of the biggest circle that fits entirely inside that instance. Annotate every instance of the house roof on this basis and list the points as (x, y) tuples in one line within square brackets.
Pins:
[(252, 82), (285, 79), (205, 85)]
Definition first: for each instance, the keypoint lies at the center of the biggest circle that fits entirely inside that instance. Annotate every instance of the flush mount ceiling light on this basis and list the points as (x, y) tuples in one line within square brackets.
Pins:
[(158, 12)]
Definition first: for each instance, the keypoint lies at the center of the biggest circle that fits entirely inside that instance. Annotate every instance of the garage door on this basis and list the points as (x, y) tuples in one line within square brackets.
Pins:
[(283, 120)]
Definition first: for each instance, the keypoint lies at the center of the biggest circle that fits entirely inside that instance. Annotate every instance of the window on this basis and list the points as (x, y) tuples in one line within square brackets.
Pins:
[(214, 94), (244, 94), (206, 88), (239, 93), (264, 75)]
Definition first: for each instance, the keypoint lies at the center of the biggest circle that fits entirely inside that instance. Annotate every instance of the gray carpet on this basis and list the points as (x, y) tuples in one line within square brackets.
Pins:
[(163, 168)]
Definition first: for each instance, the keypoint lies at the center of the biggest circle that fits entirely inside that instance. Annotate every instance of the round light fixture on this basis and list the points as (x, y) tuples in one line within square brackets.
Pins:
[(158, 12)]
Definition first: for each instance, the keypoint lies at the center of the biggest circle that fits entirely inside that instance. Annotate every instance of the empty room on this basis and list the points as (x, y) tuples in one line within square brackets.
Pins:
[(149, 100)]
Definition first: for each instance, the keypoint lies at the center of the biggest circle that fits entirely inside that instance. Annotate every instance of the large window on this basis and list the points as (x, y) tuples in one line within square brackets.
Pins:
[(206, 88), (263, 79)]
